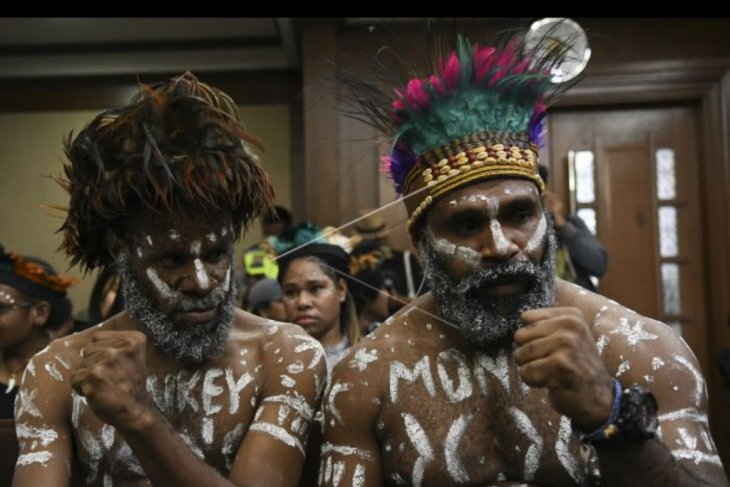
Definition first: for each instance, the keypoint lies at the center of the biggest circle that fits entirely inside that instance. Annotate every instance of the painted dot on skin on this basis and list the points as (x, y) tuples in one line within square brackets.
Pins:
[(149, 240), (429, 326), (675, 388), (442, 336), (211, 237), (173, 234)]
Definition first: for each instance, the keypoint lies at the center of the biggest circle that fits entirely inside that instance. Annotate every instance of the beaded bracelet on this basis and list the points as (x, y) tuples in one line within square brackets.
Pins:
[(607, 429)]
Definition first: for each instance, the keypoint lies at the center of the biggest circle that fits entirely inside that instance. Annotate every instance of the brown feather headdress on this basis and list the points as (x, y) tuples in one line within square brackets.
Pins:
[(178, 144)]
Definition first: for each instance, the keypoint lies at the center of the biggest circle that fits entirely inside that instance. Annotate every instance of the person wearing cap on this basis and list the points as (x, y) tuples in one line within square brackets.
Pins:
[(404, 278), (502, 374), (181, 388), (34, 306), (313, 279), (265, 300)]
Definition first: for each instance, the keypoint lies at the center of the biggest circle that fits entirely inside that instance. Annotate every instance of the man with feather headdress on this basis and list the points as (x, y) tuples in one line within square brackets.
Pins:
[(503, 374), (181, 388)]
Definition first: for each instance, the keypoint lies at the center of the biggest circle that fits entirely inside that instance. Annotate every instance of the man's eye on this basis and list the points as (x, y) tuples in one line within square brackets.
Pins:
[(467, 227), (522, 216), (215, 256), (173, 261)]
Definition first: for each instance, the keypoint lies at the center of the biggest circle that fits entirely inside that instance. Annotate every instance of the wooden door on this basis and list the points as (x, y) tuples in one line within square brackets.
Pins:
[(646, 206)]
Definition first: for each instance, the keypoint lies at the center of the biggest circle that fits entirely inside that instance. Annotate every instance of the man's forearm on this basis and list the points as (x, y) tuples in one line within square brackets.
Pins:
[(166, 458), (650, 464)]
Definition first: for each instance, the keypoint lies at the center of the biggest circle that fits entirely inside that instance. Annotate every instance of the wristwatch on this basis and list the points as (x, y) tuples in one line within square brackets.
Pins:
[(633, 418)]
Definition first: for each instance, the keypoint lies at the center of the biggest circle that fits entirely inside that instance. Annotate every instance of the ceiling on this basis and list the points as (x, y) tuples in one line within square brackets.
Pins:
[(51, 47)]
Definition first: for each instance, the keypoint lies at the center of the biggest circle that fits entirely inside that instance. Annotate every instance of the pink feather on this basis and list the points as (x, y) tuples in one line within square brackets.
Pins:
[(452, 71), (417, 96), (483, 60), (438, 85)]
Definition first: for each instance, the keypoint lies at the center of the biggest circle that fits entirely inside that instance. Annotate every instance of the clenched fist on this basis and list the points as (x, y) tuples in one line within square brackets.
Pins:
[(112, 374), (556, 350)]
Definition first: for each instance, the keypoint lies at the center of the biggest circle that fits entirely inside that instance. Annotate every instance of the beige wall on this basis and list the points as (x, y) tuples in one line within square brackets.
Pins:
[(30, 148)]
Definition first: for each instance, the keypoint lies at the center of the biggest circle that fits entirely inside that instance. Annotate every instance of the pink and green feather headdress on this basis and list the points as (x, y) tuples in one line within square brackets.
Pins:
[(478, 116)]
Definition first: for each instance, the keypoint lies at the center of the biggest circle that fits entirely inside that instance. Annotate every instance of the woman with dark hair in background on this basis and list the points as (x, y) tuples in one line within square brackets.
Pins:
[(34, 308), (371, 286), (316, 296)]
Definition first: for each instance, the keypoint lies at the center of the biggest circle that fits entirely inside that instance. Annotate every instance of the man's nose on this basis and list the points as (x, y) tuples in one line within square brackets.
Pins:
[(198, 279), (496, 243)]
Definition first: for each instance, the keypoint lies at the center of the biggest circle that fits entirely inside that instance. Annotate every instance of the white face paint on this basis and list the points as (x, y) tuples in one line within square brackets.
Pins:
[(149, 240), (173, 234), (538, 237), (200, 274), (451, 450), (160, 285), (227, 280), (211, 237), (422, 369), (139, 251), (447, 250)]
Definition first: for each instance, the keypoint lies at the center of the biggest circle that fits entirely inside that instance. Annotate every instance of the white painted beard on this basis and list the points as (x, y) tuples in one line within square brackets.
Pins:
[(191, 345), (485, 320)]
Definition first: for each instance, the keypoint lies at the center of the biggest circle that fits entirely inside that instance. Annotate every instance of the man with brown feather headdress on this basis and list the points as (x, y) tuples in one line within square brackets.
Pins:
[(181, 388)]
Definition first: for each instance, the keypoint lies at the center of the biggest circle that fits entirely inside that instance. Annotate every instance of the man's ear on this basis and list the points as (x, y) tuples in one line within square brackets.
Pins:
[(113, 244), (40, 313)]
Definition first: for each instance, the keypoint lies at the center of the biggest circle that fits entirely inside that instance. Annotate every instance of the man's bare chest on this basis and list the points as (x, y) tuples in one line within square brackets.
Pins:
[(210, 409), (455, 419)]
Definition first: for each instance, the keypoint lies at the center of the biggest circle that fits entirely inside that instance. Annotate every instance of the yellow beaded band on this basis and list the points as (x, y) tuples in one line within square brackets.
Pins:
[(467, 160)]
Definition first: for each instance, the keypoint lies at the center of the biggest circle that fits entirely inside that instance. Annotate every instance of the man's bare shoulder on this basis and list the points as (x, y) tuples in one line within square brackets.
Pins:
[(634, 347), (406, 337), (62, 354)]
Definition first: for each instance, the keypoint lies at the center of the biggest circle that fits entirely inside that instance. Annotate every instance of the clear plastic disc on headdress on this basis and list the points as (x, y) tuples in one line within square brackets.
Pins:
[(564, 36)]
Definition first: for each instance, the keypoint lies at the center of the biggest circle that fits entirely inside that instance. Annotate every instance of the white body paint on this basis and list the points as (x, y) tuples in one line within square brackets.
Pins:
[(53, 371), (455, 393), (534, 451), (210, 390), (358, 478), (451, 449), (45, 436), (420, 442), (363, 358), (173, 234), (287, 381), (700, 388), (337, 388), (41, 457), (561, 449), (422, 369), (278, 433), (634, 333)]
